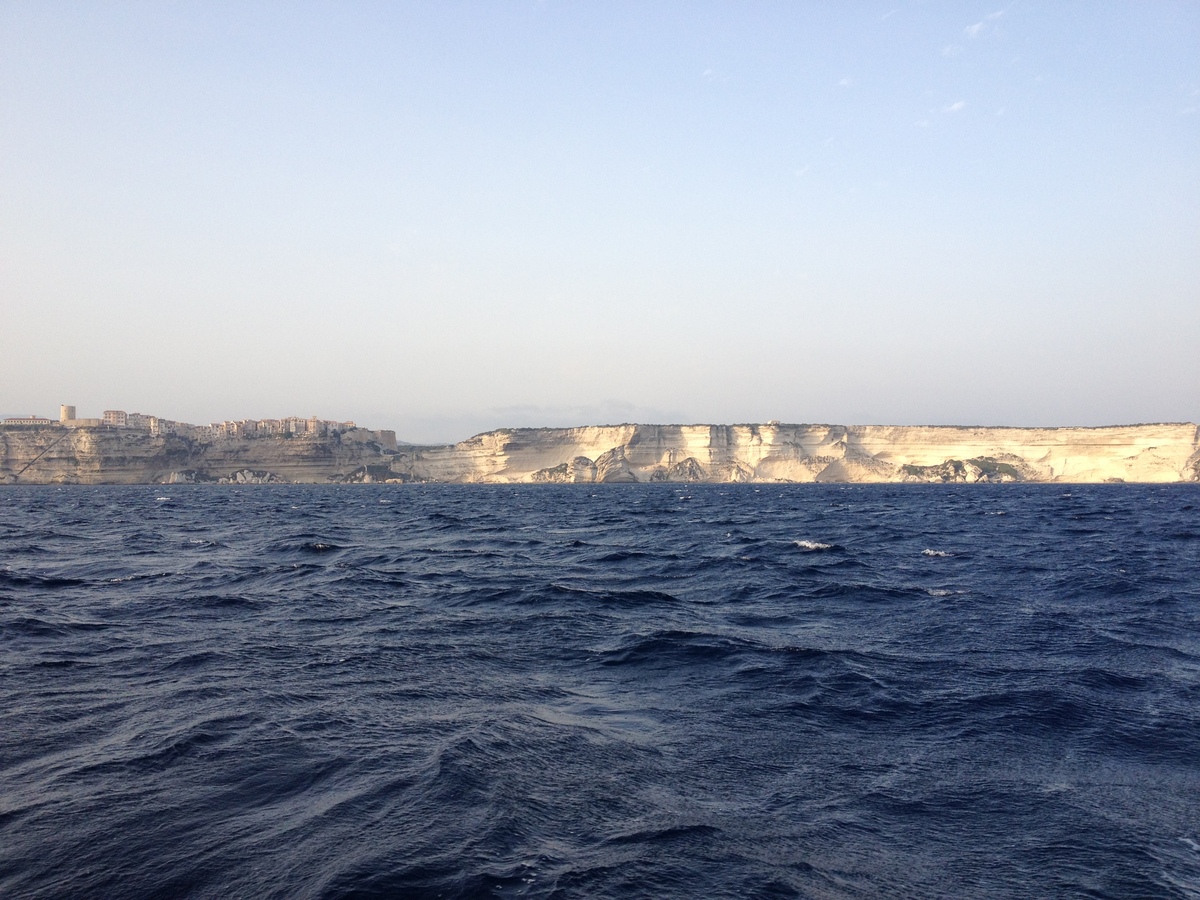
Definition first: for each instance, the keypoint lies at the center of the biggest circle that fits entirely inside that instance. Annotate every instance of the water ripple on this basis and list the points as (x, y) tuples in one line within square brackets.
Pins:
[(628, 691)]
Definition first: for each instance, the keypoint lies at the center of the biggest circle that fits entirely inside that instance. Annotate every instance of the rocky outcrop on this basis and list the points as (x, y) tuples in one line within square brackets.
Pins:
[(687, 470), (971, 471), (618, 453)]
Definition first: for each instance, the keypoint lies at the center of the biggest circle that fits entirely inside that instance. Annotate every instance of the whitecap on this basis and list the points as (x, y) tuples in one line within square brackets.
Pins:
[(160, 499), (812, 546), (928, 552), (939, 592)]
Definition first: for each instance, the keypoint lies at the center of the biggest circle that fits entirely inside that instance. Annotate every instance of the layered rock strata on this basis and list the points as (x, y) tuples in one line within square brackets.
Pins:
[(618, 453), (104, 455), (812, 453)]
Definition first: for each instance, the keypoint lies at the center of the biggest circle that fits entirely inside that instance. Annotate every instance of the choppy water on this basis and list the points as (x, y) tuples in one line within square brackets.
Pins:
[(634, 691)]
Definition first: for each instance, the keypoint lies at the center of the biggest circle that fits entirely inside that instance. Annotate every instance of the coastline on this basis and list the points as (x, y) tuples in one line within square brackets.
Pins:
[(629, 453)]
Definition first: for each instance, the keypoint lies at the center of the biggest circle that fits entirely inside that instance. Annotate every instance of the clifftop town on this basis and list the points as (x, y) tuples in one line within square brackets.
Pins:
[(131, 448), (155, 425), (134, 448)]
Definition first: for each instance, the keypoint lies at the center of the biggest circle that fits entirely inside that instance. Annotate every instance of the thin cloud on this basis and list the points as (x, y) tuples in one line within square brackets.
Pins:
[(951, 50), (973, 31), (957, 106), (846, 82)]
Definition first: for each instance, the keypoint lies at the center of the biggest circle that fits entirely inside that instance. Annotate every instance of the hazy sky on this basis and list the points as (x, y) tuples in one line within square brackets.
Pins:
[(446, 217)]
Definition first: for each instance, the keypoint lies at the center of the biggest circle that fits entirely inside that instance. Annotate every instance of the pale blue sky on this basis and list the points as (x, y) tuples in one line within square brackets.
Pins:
[(447, 217)]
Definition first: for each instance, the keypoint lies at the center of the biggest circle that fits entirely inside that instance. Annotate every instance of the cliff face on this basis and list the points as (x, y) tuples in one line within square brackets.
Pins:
[(619, 453), (813, 453), (127, 456)]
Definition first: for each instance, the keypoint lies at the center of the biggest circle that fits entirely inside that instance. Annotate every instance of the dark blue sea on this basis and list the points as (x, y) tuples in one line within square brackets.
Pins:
[(600, 692)]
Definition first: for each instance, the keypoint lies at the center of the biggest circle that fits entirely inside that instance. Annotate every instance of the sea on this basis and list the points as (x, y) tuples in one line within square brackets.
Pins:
[(614, 691)]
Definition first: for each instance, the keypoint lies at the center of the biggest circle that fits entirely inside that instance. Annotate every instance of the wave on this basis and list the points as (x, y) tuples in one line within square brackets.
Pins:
[(814, 546), (32, 626), (46, 582), (674, 647), (569, 693)]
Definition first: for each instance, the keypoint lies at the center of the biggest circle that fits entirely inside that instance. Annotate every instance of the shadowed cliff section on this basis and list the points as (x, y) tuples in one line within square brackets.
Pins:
[(103, 455), (616, 454)]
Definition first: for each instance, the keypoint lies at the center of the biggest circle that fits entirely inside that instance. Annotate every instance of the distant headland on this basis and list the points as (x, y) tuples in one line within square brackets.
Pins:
[(134, 448)]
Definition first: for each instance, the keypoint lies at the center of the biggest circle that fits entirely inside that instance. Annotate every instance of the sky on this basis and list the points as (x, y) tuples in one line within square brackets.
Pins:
[(444, 218)]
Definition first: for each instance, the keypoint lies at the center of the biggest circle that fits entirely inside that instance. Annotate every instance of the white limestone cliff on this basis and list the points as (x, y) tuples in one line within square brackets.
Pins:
[(813, 453), (619, 453)]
